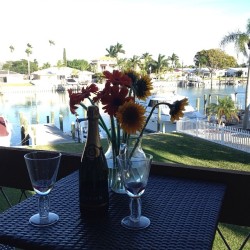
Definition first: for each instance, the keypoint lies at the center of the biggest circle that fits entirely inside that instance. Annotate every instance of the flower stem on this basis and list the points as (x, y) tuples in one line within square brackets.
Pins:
[(145, 124)]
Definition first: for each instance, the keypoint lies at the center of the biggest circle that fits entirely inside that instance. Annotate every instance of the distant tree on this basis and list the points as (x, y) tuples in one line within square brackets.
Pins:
[(28, 51), (64, 58), (214, 59), (161, 65), (51, 43), (79, 64), (225, 109), (119, 49), (111, 51), (114, 50), (21, 66), (11, 51), (11, 48), (146, 61), (241, 42), (134, 62), (174, 60), (122, 63), (46, 65)]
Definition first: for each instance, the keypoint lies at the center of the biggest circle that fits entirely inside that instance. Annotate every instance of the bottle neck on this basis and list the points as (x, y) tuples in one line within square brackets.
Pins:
[(93, 133)]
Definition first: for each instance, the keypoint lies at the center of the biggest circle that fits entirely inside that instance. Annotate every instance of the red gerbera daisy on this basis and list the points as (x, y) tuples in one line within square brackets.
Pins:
[(117, 78), (114, 98), (76, 98)]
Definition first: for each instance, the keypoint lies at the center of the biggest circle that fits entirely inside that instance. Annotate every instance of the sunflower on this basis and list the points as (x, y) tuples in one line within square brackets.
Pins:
[(143, 87), (177, 108), (133, 75), (131, 117)]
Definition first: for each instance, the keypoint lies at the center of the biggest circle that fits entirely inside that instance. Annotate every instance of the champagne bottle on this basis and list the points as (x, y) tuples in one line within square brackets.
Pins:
[(93, 171)]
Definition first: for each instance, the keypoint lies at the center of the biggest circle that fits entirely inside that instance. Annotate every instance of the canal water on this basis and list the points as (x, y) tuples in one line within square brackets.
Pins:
[(43, 106)]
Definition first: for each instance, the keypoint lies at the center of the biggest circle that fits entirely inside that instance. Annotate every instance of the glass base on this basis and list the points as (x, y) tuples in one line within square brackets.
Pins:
[(118, 190), (35, 220), (142, 223)]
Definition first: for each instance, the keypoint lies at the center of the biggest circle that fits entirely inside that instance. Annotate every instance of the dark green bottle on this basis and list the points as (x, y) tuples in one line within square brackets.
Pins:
[(93, 172)]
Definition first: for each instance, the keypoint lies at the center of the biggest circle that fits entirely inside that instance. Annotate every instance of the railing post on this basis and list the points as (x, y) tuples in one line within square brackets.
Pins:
[(61, 122), (52, 117), (159, 119), (73, 130)]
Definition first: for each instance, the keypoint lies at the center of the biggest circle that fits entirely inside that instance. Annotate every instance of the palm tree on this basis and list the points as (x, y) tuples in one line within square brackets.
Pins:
[(225, 110), (174, 60), (11, 50), (147, 59), (240, 40), (51, 43), (119, 48), (160, 65), (112, 51), (134, 62), (28, 51)]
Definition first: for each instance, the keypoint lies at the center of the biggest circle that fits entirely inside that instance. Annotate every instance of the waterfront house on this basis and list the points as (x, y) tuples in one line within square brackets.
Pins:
[(7, 76), (104, 63), (57, 75)]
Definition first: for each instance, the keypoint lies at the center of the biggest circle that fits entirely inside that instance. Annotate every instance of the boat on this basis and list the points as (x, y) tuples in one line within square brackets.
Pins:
[(5, 132), (160, 121)]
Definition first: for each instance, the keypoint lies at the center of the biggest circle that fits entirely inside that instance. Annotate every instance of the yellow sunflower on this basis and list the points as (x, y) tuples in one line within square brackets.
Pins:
[(143, 87), (131, 117), (177, 108)]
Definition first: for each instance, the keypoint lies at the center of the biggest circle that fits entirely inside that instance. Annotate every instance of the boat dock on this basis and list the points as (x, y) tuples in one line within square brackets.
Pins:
[(47, 134)]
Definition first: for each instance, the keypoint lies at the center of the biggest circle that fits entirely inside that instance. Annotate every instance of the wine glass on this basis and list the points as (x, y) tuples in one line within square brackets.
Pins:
[(135, 172), (43, 168)]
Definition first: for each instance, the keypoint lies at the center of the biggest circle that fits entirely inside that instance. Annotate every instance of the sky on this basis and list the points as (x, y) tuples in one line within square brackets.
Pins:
[(86, 28)]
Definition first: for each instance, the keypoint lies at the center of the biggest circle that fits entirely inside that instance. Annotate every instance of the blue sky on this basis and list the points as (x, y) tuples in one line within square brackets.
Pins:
[(87, 27)]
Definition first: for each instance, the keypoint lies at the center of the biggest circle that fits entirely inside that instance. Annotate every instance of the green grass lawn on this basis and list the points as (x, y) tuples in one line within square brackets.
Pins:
[(178, 148), (184, 149)]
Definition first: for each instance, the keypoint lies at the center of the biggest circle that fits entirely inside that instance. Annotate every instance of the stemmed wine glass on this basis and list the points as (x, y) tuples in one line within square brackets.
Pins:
[(43, 168), (135, 172)]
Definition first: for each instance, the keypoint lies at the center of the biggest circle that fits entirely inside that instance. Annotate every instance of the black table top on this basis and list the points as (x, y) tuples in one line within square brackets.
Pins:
[(183, 213)]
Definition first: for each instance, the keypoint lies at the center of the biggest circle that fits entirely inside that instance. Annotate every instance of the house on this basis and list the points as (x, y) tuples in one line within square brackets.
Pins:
[(235, 71), (57, 75), (7, 76), (104, 63)]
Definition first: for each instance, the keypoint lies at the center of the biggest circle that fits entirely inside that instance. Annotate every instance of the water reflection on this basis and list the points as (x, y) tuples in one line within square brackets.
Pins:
[(36, 107)]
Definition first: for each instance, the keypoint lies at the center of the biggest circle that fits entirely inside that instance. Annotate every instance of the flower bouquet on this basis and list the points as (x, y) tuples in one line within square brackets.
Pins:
[(119, 99)]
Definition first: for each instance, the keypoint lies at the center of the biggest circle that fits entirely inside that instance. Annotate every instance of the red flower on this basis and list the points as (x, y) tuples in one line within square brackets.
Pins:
[(117, 78), (113, 98), (76, 98)]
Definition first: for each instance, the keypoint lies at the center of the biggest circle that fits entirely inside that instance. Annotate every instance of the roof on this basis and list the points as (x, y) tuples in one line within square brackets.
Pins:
[(58, 71)]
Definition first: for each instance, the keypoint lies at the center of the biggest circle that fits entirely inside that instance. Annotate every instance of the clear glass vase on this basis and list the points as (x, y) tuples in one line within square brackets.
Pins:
[(115, 180), (114, 177)]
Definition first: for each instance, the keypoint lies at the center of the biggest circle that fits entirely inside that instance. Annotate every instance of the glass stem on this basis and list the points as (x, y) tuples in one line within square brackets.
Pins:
[(43, 206), (135, 209)]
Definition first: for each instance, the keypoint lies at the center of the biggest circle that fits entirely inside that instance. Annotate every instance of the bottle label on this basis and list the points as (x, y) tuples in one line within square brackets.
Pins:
[(92, 151)]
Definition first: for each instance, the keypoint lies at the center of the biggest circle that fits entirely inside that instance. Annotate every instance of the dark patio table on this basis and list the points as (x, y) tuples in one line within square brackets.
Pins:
[(184, 214)]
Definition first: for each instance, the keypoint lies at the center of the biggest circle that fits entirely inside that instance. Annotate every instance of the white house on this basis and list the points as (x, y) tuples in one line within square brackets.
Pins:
[(104, 63), (234, 71), (58, 74), (10, 77)]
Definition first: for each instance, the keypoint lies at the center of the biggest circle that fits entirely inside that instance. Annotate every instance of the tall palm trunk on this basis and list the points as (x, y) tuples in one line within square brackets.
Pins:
[(246, 124)]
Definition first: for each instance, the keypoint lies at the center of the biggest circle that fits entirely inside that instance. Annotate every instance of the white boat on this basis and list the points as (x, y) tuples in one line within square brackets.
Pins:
[(161, 121), (5, 132)]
